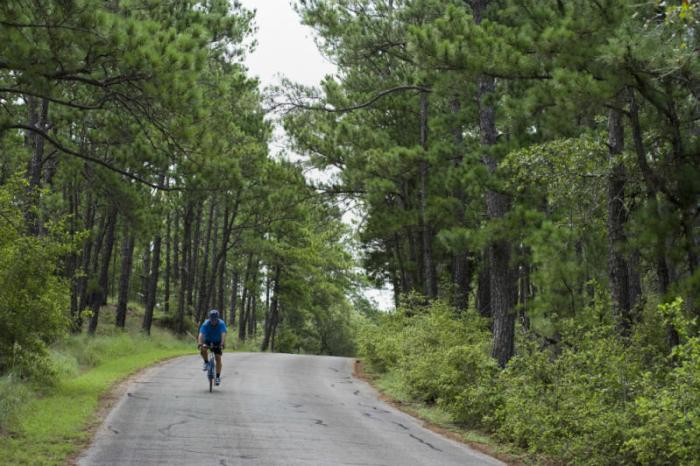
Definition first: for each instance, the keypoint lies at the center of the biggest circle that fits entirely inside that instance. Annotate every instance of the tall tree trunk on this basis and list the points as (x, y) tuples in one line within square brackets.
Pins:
[(462, 263), (152, 285), (242, 322), (502, 280), (234, 299), (89, 224), (497, 205), (271, 321), (125, 277), (653, 186), (166, 291), (253, 297), (97, 296), (194, 260), (38, 118), (202, 294), (146, 274), (72, 269), (184, 273), (429, 275), (617, 265), (212, 281)]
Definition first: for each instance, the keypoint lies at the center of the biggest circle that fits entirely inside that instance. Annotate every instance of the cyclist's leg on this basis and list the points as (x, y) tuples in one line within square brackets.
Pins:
[(204, 351), (218, 362)]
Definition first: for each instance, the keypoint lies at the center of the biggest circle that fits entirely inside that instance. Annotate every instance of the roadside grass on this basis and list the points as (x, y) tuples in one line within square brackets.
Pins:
[(44, 422), (440, 421)]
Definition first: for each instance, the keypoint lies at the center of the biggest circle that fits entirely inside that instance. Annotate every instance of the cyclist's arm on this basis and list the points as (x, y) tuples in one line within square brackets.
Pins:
[(200, 339), (223, 339)]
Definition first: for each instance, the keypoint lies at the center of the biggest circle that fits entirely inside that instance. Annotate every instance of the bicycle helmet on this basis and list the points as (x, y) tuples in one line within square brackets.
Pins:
[(214, 315)]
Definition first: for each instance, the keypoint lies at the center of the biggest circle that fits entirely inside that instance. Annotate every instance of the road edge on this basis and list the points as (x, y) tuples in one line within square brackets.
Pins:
[(107, 402), (359, 373)]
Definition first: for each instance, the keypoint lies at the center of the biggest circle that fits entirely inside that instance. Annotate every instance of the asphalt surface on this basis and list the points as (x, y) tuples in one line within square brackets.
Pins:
[(271, 409)]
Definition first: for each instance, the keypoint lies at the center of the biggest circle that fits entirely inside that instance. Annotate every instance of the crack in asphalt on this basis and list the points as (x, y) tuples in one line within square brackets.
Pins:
[(140, 397), (425, 443), (166, 430)]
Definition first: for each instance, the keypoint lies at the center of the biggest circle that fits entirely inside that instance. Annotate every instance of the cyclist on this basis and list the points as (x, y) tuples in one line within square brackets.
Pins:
[(212, 333)]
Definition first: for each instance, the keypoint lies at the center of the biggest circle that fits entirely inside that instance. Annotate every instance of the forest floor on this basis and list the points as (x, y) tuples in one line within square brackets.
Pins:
[(439, 421)]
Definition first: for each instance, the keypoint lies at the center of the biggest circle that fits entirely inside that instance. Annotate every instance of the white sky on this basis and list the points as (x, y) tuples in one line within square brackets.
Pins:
[(286, 48)]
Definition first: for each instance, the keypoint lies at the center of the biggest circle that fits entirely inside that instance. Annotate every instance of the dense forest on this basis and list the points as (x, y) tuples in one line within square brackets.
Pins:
[(528, 173), (135, 168)]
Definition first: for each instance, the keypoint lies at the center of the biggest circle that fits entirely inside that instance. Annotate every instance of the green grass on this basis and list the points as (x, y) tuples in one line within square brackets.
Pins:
[(47, 422)]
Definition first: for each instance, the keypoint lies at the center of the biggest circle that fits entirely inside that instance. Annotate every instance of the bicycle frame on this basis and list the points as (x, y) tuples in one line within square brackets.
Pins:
[(212, 367)]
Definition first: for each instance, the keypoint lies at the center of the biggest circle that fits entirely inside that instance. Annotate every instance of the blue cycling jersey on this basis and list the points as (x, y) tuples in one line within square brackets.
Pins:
[(212, 333)]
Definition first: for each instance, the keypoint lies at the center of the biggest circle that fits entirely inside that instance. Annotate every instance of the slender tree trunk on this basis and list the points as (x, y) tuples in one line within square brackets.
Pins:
[(617, 265), (252, 309), (125, 277), (202, 295), (462, 263), (212, 282), (97, 296), (194, 260), (242, 320), (184, 273), (271, 321), (429, 275), (82, 291), (38, 118), (234, 299), (502, 282), (166, 292), (72, 269), (653, 186), (502, 277), (152, 285), (146, 274)]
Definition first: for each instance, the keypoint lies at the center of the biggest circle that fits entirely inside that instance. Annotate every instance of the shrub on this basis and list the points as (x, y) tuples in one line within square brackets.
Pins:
[(668, 412), (33, 298), (576, 405)]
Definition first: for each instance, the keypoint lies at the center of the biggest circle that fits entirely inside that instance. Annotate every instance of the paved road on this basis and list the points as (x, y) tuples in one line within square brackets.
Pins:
[(271, 409)]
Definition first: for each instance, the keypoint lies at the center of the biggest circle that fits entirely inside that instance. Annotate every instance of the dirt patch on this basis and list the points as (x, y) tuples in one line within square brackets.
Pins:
[(360, 373), (105, 405)]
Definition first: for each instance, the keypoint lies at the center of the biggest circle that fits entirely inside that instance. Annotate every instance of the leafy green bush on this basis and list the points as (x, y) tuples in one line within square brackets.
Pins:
[(438, 357), (668, 412), (33, 299), (576, 405)]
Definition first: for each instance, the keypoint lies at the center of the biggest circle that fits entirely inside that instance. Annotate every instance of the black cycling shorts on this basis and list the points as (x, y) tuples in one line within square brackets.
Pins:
[(214, 347)]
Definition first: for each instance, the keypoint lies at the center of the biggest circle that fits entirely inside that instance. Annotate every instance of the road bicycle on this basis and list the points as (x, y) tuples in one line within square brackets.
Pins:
[(211, 365)]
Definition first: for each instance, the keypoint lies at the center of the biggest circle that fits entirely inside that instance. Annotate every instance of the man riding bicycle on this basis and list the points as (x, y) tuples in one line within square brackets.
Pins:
[(212, 334)]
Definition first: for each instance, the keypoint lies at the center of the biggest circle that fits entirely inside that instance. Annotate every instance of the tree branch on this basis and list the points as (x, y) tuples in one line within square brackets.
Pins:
[(88, 158), (369, 103)]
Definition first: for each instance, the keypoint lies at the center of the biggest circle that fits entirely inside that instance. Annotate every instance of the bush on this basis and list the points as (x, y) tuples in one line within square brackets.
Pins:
[(575, 406), (438, 357), (33, 299), (668, 412)]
